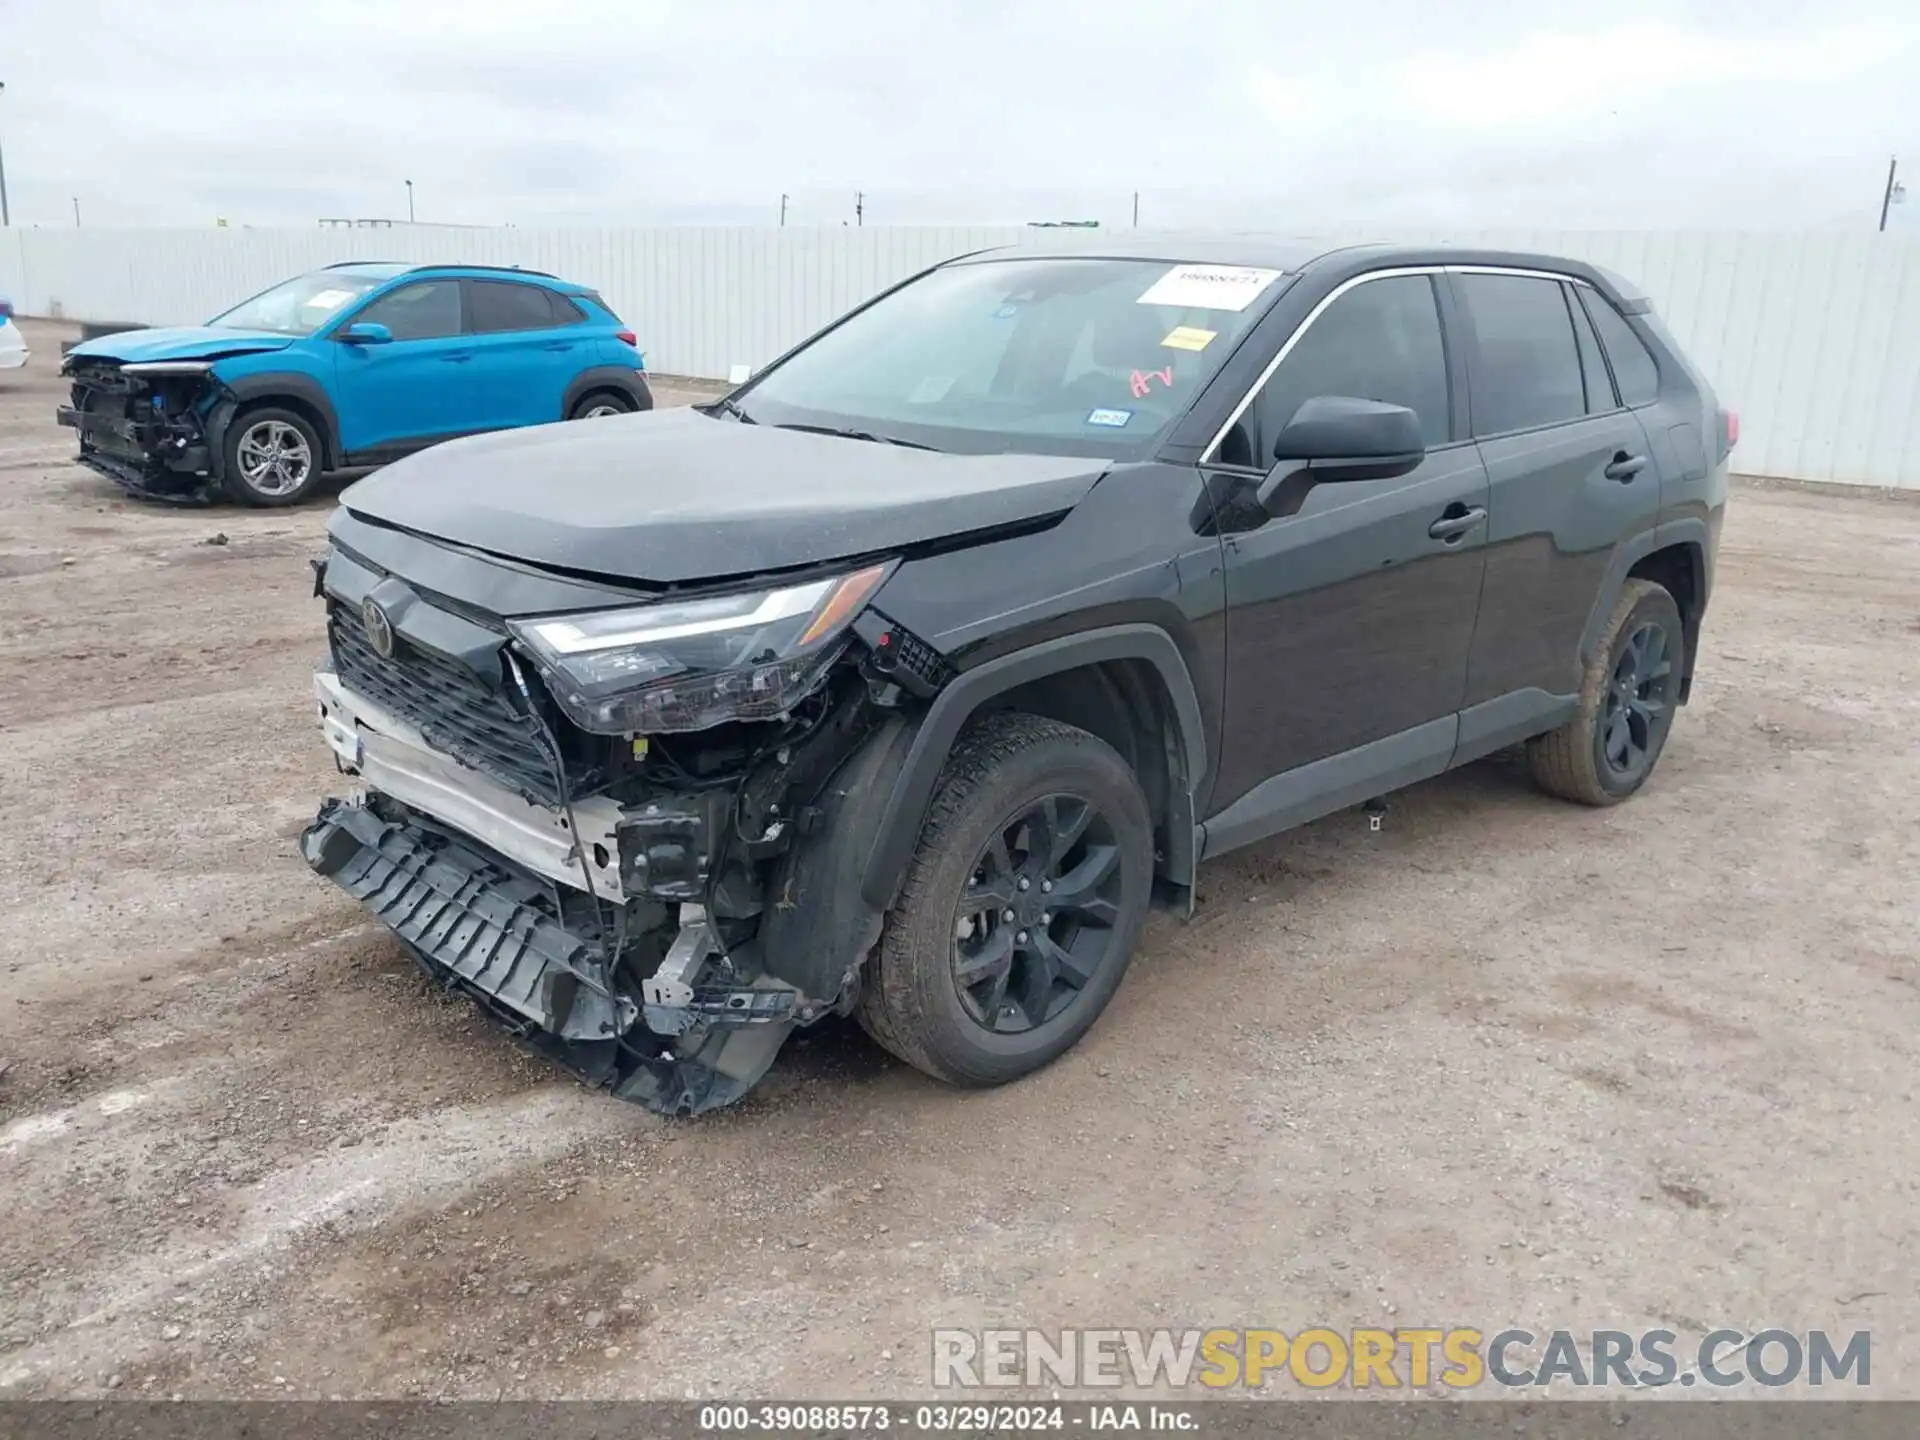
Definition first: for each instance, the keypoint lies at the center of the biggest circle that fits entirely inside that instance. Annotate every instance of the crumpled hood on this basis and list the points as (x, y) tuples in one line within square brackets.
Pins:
[(672, 496), (180, 342)]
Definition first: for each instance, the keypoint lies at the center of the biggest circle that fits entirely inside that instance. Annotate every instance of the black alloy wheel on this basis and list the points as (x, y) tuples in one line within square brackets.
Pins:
[(1637, 701), (1035, 923)]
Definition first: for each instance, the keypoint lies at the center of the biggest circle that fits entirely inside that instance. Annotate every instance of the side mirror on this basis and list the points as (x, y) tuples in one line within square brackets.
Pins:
[(1335, 438), (367, 332)]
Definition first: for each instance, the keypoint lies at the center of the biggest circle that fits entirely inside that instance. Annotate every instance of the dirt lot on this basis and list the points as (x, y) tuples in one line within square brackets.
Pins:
[(1505, 1062)]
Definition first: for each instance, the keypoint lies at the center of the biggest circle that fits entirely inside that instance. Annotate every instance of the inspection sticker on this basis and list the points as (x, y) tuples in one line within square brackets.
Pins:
[(1209, 287), (1115, 418), (1189, 337)]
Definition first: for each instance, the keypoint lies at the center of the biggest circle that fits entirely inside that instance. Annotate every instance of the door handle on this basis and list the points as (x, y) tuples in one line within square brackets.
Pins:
[(1625, 467), (558, 345), (1457, 521)]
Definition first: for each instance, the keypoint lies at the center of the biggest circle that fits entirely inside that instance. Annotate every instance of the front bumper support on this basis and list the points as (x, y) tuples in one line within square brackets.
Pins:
[(459, 911), (477, 922)]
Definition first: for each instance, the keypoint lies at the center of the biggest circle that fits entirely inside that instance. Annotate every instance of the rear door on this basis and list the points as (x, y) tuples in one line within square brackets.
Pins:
[(1570, 474), (414, 390), (528, 343)]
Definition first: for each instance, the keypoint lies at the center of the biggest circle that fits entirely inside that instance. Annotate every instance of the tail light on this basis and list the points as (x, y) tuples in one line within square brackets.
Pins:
[(627, 337), (1732, 420)]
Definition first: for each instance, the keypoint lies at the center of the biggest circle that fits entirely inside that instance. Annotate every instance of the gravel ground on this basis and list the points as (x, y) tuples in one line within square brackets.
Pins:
[(1505, 1062)]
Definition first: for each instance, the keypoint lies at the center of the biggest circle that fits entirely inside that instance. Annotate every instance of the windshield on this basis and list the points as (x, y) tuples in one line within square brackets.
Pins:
[(1059, 355), (302, 305)]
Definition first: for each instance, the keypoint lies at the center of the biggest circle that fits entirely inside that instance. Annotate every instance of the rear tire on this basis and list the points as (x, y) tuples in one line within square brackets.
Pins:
[(272, 457), (1628, 696), (600, 404), (1034, 820)]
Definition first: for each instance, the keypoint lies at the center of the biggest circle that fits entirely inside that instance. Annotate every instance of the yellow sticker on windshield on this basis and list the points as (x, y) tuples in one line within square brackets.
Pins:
[(1189, 337)]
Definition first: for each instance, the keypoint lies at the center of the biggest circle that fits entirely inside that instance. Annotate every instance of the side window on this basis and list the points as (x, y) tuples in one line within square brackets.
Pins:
[(428, 310), (565, 312), (1593, 367), (1633, 364), (1379, 341), (506, 305), (1526, 367)]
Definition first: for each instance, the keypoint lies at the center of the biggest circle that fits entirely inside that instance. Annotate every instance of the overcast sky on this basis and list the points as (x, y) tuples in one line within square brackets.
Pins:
[(1754, 113)]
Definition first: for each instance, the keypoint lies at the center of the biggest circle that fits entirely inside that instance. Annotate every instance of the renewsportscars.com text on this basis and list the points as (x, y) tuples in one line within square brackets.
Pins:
[(1458, 1357)]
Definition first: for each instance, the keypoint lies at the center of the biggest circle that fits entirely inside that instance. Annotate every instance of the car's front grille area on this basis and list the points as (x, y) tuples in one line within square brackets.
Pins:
[(454, 711)]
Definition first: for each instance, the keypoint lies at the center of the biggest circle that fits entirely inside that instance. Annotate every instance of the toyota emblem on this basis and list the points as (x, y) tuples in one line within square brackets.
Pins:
[(379, 628)]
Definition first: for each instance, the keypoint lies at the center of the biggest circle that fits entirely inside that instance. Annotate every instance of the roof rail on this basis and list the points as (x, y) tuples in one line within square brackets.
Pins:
[(470, 265), (349, 264)]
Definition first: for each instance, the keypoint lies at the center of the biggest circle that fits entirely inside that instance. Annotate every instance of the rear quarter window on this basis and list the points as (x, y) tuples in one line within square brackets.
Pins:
[(1634, 369)]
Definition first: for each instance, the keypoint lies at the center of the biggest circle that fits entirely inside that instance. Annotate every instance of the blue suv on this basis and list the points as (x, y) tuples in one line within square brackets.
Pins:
[(351, 366)]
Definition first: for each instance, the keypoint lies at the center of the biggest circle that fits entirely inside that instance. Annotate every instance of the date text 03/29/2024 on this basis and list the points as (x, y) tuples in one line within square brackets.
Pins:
[(940, 1419)]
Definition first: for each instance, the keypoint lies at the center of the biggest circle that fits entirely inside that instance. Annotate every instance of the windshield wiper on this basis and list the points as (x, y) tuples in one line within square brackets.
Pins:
[(857, 435), (732, 407)]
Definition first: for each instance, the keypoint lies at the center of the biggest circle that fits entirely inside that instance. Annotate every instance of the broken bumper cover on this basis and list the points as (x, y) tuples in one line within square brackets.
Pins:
[(477, 922), (110, 447)]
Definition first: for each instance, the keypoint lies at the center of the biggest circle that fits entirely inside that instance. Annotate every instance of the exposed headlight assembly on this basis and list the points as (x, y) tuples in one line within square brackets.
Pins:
[(692, 664)]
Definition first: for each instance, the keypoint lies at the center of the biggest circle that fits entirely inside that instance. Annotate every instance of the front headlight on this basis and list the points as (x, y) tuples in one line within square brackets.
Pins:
[(691, 664)]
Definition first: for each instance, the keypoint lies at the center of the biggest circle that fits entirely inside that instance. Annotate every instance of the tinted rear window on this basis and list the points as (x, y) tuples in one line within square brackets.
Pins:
[(1527, 362), (496, 305)]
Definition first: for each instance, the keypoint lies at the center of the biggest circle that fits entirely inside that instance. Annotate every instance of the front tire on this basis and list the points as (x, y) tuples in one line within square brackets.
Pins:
[(272, 458), (1021, 908), (1627, 701)]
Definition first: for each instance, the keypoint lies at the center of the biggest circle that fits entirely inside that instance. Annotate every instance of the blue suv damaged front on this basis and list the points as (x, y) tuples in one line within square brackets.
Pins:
[(150, 405)]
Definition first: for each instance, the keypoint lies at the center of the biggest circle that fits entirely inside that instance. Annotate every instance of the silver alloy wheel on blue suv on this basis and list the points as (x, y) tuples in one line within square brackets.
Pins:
[(272, 457)]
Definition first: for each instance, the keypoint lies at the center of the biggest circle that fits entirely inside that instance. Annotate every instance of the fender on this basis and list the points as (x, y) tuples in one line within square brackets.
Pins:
[(628, 381), (1690, 531), (906, 808), (271, 385)]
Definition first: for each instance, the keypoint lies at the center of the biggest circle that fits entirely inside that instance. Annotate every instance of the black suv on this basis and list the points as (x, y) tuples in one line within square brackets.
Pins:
[(905, 679)]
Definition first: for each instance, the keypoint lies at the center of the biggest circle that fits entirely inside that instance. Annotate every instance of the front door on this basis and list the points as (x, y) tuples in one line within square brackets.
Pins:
[(1349, 622), (415, 389)]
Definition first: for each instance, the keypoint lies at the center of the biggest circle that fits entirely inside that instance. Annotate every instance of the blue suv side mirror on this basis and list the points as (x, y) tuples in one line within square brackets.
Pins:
[(367, 332)]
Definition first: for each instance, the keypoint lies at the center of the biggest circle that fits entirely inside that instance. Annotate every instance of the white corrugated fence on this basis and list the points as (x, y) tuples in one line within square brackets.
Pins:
[(1814, 338)]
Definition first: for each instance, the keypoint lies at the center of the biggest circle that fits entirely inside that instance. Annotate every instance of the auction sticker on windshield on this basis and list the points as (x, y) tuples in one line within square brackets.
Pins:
[(1209, 287), (328, 300), (1188, 337)]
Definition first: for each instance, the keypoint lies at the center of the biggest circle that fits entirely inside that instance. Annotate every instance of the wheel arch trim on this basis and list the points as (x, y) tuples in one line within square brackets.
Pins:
[(1689, 532), (629, 382), (265, 389), (906, 808)]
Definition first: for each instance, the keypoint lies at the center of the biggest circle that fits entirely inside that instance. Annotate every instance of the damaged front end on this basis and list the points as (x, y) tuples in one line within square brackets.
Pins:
[(148, 426), (634, 835)]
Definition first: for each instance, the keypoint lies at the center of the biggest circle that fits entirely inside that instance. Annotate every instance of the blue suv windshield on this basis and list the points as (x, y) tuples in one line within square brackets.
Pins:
[(1052, 354), (301, 305)]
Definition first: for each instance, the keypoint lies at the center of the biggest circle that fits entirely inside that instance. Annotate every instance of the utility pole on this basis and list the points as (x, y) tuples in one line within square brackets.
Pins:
[(859, 207), (1136, 209), (1886, 197), (6, 217), (409, 202), (783, 212)]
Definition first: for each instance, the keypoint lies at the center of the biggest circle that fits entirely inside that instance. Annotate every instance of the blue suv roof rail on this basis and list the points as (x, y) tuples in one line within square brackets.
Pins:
[(442, 265), (469, 265)]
